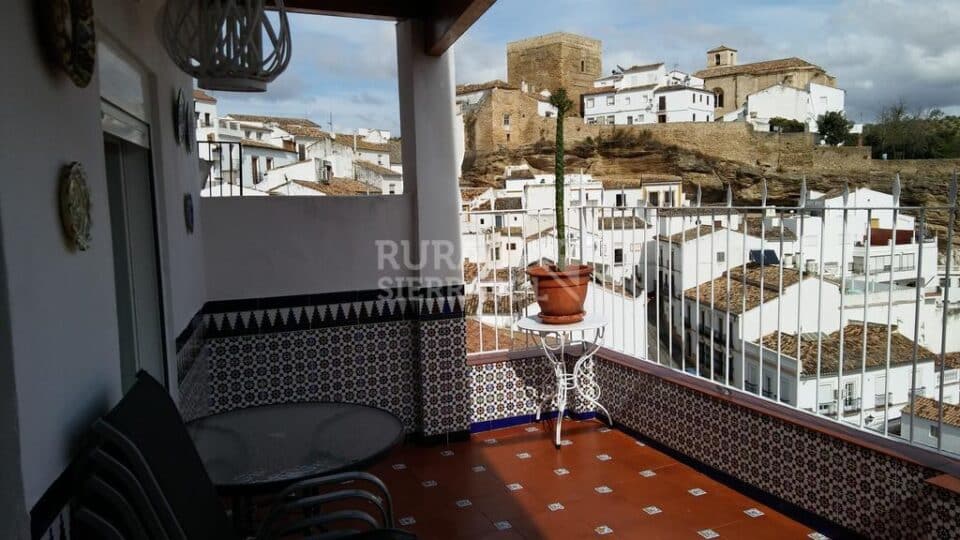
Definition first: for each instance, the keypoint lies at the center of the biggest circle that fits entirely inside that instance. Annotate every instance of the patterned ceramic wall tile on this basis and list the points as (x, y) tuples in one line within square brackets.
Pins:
[(192, 370), (195, 389), (509, 389), (370, 364), (189, 346), (444, 375), (874, 494)]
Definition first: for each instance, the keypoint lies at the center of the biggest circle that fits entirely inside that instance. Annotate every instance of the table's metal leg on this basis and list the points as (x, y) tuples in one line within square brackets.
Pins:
[(584, 379), (556, 357), (561, 369), (588, 388), (546, 401)]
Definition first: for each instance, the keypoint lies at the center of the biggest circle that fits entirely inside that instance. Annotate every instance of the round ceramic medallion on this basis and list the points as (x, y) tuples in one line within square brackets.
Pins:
[(189, 129), (74, 38), (75, 206), (179, 117), (188, 212)]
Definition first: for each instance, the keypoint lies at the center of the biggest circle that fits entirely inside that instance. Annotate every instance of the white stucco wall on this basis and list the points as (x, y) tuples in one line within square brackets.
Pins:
[(922, 435), (335, 247), (252, 258), (63, 328)]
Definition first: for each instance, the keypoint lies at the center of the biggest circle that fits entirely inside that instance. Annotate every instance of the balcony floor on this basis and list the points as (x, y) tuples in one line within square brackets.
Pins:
[(464, 503)]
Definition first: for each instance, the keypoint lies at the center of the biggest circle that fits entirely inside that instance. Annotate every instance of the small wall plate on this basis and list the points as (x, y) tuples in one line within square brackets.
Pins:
[(75, 206)]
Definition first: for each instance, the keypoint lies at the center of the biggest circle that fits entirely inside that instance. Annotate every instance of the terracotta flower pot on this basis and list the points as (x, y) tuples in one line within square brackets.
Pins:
[(560, 294)]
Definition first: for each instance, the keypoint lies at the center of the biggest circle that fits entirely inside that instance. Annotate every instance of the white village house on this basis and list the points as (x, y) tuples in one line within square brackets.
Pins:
[(647, 94)]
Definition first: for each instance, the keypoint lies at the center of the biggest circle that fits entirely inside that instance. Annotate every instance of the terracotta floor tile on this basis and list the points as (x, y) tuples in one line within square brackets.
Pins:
[(763, 528), (527, 511)]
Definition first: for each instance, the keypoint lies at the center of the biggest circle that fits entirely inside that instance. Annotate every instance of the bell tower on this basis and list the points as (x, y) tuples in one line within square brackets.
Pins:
[(721, 56)]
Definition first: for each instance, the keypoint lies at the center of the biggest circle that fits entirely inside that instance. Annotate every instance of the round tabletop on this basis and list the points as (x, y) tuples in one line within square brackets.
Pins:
[(534, 324), (263, 449)]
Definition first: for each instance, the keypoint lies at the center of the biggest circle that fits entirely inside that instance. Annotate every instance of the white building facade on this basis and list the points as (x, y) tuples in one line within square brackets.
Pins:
[(646, 95)]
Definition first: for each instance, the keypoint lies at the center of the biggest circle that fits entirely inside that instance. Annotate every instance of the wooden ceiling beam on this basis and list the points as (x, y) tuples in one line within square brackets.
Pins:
[(450, 19), (445, 20), (389, 10)]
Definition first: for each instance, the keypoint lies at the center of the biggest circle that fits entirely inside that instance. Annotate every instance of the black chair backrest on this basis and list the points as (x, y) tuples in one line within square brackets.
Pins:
[(112, 470), (149, 419)]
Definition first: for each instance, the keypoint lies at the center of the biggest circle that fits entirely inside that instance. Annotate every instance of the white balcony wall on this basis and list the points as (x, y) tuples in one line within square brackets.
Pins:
[(322, 244), (60, 330)]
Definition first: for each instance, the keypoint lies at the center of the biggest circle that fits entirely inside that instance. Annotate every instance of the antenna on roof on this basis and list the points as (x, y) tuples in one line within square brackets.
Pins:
[(330, 123)]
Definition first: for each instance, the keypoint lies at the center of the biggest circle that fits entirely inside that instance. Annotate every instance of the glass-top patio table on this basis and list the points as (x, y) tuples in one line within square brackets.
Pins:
[(261, 450)]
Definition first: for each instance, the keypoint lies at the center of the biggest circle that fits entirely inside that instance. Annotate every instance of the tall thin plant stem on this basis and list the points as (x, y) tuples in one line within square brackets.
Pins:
[(563, 104)]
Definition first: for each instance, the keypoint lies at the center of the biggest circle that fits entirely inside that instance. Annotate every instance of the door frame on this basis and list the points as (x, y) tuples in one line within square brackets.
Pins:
[(121, 126)]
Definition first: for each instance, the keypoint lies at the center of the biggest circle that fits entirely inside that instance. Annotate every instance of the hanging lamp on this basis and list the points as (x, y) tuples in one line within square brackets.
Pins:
[(228, 45)]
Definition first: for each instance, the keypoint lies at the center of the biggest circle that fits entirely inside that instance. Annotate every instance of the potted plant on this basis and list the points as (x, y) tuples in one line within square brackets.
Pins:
[(561, 289)]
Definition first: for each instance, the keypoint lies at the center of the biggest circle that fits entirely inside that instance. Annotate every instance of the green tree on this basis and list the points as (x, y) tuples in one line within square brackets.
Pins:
[(563, 104), (834, 127), (787, 125), (903, 135)]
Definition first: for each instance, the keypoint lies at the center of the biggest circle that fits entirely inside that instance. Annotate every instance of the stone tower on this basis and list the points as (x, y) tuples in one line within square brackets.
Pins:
[(721, 56), (553, 60)]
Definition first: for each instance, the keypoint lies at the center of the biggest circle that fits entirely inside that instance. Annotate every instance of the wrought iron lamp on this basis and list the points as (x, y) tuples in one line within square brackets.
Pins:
[(228, 45)]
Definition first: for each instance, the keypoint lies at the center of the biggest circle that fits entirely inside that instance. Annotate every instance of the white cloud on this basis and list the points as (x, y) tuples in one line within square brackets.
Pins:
[(879, 50)]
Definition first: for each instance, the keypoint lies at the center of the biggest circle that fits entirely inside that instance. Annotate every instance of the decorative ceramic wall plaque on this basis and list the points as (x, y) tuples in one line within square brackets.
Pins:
[(74, 38), (188, 212), (189, 125), (75, 206), (179, 117)]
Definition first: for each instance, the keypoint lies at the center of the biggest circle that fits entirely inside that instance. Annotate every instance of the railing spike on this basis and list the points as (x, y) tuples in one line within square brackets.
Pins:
[(730, 194), (896, 190), (803, 192), (763, 191), (846, 193), (699, 196)]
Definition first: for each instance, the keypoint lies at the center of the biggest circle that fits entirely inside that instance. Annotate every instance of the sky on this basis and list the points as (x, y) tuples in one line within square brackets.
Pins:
[(880, 51)]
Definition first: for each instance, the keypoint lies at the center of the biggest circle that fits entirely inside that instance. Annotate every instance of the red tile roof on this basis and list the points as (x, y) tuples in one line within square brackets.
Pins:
[(757, 68), (901, 348), (341, 187), (496, 83), (264, 145), (928, 409), (200, 95), (737, 294), (373, 167), (347, 139), (721, 48), (279, 120)]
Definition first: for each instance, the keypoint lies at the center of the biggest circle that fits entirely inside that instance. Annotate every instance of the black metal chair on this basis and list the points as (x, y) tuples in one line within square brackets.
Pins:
[(147, 473)]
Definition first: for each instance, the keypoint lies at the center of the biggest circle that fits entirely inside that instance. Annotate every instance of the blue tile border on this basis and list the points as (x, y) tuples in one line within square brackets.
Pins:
[(489, 425)]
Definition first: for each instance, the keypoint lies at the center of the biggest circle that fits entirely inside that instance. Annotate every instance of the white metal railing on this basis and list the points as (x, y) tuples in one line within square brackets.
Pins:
[(735, 294)]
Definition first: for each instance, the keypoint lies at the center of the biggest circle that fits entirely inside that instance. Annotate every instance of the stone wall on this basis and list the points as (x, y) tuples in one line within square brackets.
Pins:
[(733, 141), (483, 125), (841, 157), (736, 87), (554, 60), (729, 141)]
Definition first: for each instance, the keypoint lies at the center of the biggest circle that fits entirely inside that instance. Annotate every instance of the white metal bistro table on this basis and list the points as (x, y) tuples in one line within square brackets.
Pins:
[(584, 338)]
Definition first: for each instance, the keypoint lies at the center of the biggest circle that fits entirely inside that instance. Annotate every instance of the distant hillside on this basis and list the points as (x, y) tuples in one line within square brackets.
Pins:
[(633, 153)]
